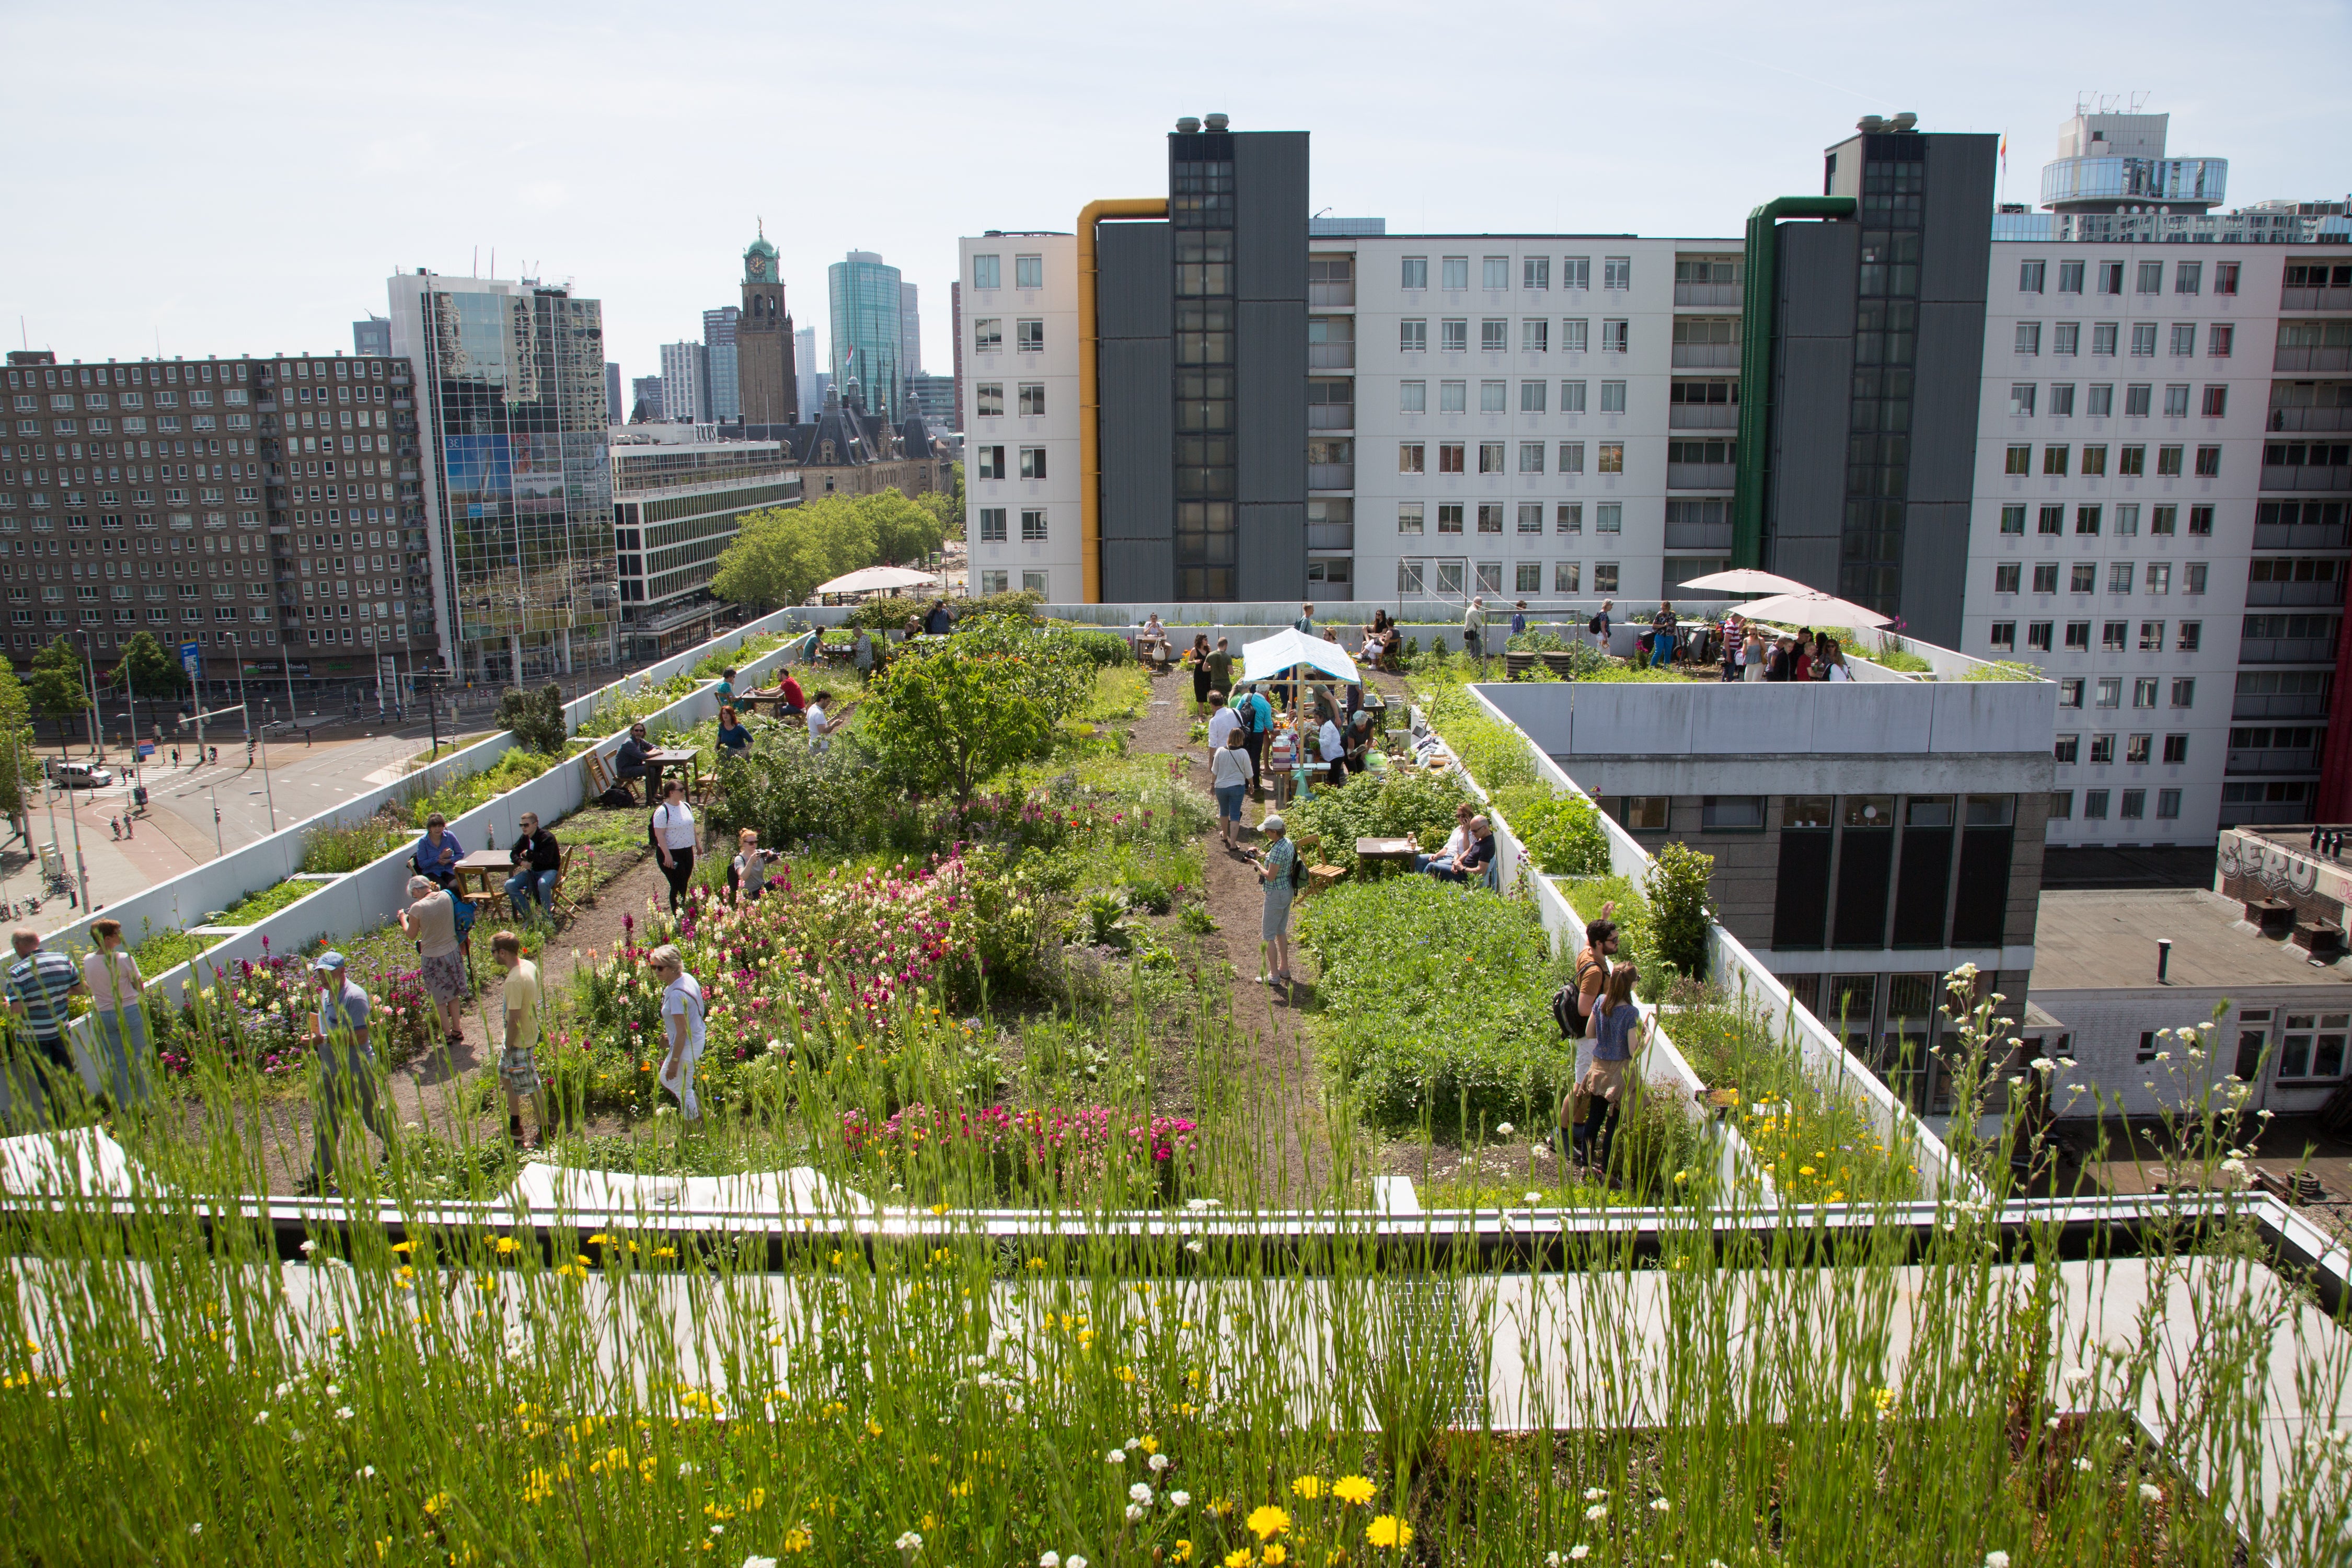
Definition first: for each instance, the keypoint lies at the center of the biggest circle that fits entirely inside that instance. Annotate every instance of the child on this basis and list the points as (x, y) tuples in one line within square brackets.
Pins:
[(750, 871), (519, 1062)]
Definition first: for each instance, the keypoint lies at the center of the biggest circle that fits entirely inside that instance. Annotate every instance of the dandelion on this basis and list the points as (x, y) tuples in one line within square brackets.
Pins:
[(1267, 1522), (1307, 1486), (1353, 1490), (1239, 1559), (1388, 1530), (1504, 1129)]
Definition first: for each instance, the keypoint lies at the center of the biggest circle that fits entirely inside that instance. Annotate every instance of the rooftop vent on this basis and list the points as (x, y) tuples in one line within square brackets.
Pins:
[(1871, 122), (1217, 123), (1906, 121), (1188, 124)]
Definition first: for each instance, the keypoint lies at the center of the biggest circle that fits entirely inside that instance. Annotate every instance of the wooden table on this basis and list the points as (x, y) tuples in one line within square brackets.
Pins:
[(661, 760), (492, 866), (1393, 852)]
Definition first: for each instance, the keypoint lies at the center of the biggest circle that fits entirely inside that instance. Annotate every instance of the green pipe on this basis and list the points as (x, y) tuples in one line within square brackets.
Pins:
[(1757, 302)]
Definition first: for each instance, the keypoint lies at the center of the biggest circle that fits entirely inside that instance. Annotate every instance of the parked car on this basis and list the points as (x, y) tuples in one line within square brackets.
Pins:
[(78, 775)]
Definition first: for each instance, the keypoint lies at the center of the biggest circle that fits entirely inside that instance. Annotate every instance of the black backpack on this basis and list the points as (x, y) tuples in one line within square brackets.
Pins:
[(1593, 626), (1564, 1013)]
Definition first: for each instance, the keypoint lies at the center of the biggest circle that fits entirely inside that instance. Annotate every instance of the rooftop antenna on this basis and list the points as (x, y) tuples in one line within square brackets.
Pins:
[(477, 261)]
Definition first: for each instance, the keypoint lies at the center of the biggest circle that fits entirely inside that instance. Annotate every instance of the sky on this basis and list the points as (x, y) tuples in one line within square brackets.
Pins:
[(223, 179)]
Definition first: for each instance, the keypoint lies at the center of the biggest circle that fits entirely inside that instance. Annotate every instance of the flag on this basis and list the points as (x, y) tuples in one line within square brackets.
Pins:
[(2004, 155)]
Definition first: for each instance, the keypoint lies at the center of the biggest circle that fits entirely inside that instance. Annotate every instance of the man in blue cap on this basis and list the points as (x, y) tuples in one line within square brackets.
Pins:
[(346, 1064)]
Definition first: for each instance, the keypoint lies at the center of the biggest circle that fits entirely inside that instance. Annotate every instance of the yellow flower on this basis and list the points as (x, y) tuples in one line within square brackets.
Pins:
[(1308, 1487), (1388, 1530), (1239, 1559), (1183, 1552), (797, 1539), (1267, 1522), (1276, 1555), (1354, 1489)]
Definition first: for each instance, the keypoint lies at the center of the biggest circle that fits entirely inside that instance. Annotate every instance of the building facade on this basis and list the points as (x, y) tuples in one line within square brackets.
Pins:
[(1021, 416), (934, 396), (910, 332), (616, 406), (767, 388), (516, 483), (677, 504), (864, 305), (809, 378), (722, 400), (266, 511), (686, 380), (371, 338), (645, 400)]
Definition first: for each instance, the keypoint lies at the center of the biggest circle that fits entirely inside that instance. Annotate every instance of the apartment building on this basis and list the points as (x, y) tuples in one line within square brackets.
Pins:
[(680, 499), (1549, 415), (1022, 520), (262, 508)]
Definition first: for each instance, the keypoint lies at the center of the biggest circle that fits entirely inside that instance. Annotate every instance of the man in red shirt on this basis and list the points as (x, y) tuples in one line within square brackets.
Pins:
[(793, 701)]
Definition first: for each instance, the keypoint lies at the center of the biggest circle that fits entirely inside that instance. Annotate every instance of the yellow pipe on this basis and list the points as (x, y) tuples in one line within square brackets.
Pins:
[(1089, 397)]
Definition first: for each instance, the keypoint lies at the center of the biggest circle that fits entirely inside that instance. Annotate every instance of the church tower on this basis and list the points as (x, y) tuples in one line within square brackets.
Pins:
[(763, 341)]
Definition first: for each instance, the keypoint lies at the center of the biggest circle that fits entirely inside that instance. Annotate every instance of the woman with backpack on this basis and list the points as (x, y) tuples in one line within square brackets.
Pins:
[(1617, 1029), (1571, 1009), (1282, 871), (675, 837)]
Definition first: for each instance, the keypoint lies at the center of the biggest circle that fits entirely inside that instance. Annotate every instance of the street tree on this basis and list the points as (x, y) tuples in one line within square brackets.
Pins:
[(55, 685)]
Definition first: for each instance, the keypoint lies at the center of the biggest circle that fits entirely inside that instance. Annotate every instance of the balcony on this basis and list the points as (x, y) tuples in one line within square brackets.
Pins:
[(1331, 416), (1716, 294), (1330, 475), (1707, 356), (1709, 536), (2326, 594), (2307, 466), (1330, 536), (1323, 294), (1701, 476), (2291, 298), (2299, 759), (2287, 650), (2280, 705), (1702, 417), (2299, 536), (2319, 419), (1330, 356), (2330, 357)]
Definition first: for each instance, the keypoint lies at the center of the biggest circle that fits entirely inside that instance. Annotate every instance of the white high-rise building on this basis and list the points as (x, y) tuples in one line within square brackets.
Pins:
[(685, 371), (1021, 414), (807, 370)]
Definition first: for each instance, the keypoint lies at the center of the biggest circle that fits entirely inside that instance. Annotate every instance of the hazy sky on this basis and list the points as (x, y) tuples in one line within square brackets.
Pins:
[(241, 179)]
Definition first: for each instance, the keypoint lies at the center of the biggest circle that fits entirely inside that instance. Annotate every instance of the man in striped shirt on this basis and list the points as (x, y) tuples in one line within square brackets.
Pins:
[(39, 984)]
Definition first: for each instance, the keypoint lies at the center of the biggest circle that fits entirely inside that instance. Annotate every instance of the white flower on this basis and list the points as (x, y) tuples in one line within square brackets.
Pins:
[(332, 1391), (1133, 1444), (2052, 1424), (2066, 1061), (717, 1529), (365, 1473), (2265, 1115), (1533, 1199), (910, 1542), (197, 1528), (1076, 1561), (759, 1563), (2045, 1065), (343, 1413), (1157, 1463), (2150, 1493), (1659, 1505), (1134, 1511), (1116, 1457), (1996, 1559), (309, 1247), (1580, 1551), (1594, 1494), (261, 1418), (1049, 1560), (1180, 1500), (1597, 1511), (1138, 1492), (1193, 1248), (684, 1468), (2081, 1464), (1504, 1129)]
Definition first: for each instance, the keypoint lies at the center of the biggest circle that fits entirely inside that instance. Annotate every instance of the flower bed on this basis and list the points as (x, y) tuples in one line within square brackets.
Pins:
[(1088, 1151), (253, 1015)]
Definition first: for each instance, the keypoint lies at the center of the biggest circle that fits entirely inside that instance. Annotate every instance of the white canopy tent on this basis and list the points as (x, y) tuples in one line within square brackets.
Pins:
[(1276, 658), (879, 580)]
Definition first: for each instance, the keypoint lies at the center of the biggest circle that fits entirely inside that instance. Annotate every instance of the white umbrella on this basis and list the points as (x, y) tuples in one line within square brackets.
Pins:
[(1813, 608), (1273, 657), (1746, 580), (878, 580)]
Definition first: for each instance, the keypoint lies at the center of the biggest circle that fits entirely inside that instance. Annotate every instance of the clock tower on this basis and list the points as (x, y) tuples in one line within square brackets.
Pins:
[(763, 341)]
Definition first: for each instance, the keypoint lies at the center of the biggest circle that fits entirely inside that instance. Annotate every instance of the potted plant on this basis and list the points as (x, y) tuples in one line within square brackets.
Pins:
[(1521, 652)]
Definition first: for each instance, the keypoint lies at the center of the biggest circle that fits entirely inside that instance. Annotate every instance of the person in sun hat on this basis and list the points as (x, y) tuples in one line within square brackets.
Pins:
[(1282, 871), (346, 1069), (682, 1028)]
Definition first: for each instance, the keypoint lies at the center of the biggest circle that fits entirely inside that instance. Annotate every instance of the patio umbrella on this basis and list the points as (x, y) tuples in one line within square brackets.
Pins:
[(1273, 657), (1813, 608), (878, 579), (1746, 580)]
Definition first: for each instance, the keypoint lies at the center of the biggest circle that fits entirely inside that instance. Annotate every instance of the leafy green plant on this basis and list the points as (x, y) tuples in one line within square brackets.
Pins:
[(536, 718), (1537, 642), (458, 796), (349, 846), (712, 666), (616, 712), (254, 907), (953, 714), (1495, 752), (1562, 831), (1677, 888), (2004, 669), (1399, 803)]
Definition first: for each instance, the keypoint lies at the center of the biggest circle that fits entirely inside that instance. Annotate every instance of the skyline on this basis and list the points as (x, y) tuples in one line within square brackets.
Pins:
[(387, 152)]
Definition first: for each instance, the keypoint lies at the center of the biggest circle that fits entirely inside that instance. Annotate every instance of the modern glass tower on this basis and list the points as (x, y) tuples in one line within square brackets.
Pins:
[(864, 296), (517, 490)]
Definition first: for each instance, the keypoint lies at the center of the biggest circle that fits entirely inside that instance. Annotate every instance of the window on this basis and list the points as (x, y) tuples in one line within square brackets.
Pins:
[(1531, 454), (2078, 637), (2006, 576), (1496, 272), (1453, 396), (1608, 517), (1569, 518), (1490, 576), (2004, 636), (2135, 801), (1531, 518), (2100, 402), (991, 462), (1535, 272), (2068, 748), (2070, 691), (2037, 635), (990, 582), (2167, 804), (990, 397), (1572, 397), (1572, 333), (1571, 456), (2021, 458), (1408, 517), (1032, 397), (2062, 400), (1490, 457), (1033, 526), (2114, 636), (1604, 575), (2110, 692), (1449, 519), (1612, 397), (1453, 337), (1028, 272), (988, 334), (1493, 336), (1611, 459), (1029, 337), (2176, 402), (2159, 576), (1412, 337), (2029, 337), (2103, 337), (1567, 577), (2188, 277), (2095, 805), (1454, 273), (1617, 272), (2161, 519), (2144, 687), (2021, 401), (2137, 401), (2218, 339), (2176, 747), (2066, 338), (2200, 521), (2045, 576), (2094, 459), (1409, 577), (2086, 519), (1416, 273), (986, 271), (1527, 576), (2070, 277), (1036, 583), (1576, 272), (2029, 277), (2013, 520), (2184, 340), (2168, 462), (1535, 335), (2054, 460), (992, 517), (2151, 278), (1531, 398), (2062, 804), (1409, 457), (1449, 457), (2225, 277), (2103, 748), (2119, 576), (2305, 1051), (2192, 578), (1412, 397), (2143, 339), (2050, 519), (1033, 462), (1613, 337), (2208, 462)]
